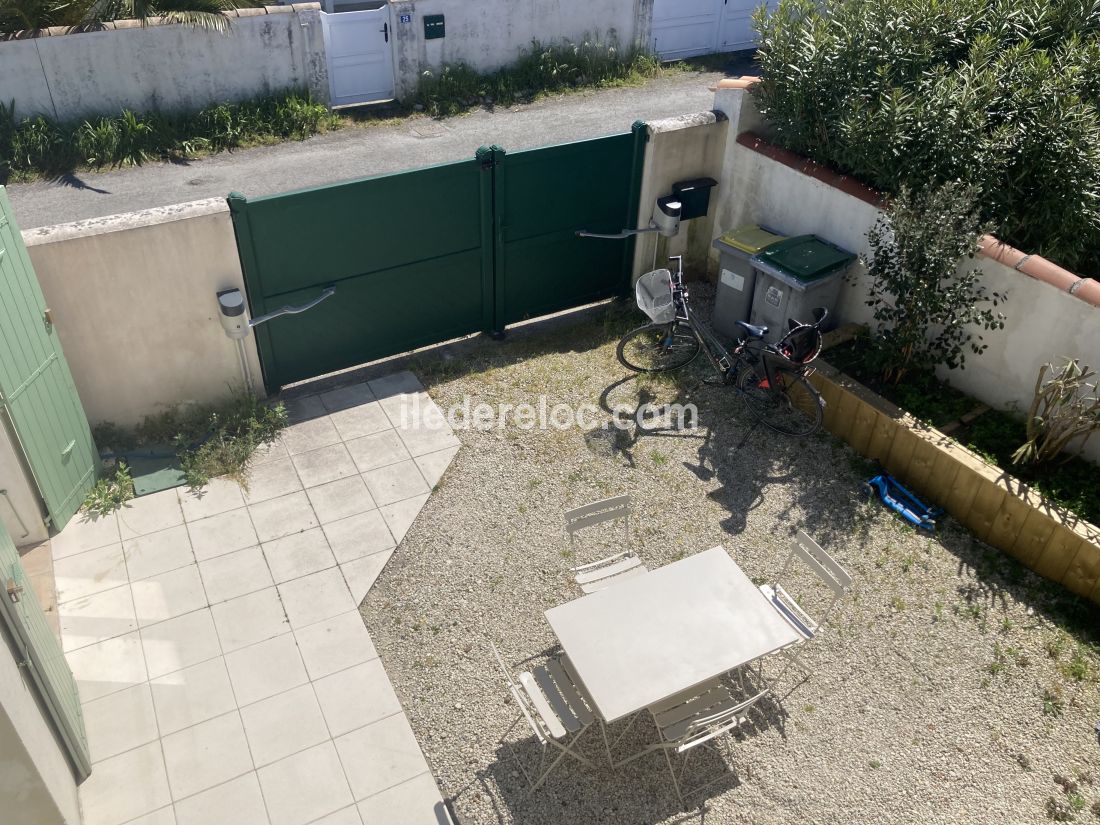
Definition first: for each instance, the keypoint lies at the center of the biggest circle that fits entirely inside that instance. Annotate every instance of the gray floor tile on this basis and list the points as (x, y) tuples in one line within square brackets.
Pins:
[(359, 535), (265, 669), (380, 756), (298, 555), (205, 755), (235, 574), (159, 552), (192, 695), (236, 802), (284, 724), (305, 787)]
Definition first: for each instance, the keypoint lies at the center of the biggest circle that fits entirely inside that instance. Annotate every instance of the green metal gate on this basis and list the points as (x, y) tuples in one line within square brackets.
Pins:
[(432, 254), (37, 393), (39, 654)]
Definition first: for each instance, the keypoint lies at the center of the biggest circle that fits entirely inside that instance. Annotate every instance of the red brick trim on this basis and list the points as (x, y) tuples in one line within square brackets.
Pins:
[(1034, 266), (743, 82), (849, 186)]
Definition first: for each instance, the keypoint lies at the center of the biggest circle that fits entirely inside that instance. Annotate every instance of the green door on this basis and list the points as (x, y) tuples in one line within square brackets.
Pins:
[(39, 654), (37, 393)]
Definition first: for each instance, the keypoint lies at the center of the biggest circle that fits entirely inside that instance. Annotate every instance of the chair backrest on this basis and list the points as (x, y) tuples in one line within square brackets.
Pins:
[(523, 700), (824, 566), (599, 512)]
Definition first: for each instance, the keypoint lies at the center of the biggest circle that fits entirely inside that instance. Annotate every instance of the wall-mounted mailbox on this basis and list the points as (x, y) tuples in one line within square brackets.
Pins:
[(694, 197), (434, 27)]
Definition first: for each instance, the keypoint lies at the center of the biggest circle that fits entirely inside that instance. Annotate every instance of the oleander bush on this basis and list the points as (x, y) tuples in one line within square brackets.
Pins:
[(1002, 95)]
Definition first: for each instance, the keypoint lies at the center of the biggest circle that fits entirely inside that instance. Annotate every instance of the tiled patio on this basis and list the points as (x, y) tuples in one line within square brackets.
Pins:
[(225, 672)]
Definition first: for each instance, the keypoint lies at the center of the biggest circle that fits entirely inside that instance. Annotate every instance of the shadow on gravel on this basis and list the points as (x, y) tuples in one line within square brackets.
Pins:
[(70, 180)]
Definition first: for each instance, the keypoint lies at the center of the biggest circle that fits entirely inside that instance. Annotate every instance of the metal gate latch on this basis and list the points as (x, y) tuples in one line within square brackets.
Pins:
[(14, 590)]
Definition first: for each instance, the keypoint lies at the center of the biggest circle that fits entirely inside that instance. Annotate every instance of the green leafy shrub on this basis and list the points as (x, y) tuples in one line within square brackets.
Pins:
[(539, 70), (1000, 94), (210, 440), (110, 492), (37, 146), (924, 303), (235, 430)]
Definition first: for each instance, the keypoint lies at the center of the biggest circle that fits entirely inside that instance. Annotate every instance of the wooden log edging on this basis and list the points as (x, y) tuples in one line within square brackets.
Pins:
[(997, 508)]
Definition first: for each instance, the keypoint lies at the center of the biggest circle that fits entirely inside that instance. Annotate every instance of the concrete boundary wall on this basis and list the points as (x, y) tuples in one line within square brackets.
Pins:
[(1051, 313), (680, 148), (489, 34), (133, 299), (163, 67)]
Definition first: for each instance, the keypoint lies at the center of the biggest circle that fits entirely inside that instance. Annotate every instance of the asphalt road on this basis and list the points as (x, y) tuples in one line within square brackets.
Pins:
[(356, 152)]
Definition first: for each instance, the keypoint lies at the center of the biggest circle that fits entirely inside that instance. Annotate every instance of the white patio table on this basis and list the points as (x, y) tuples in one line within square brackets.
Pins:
[(653, 636)]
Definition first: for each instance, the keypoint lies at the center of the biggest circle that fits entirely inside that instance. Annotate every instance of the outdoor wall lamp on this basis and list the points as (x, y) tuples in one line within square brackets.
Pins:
[(235, 321)]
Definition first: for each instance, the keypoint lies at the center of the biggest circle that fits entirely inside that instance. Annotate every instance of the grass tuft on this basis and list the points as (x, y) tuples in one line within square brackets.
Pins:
[(540, 70), (38, 146)]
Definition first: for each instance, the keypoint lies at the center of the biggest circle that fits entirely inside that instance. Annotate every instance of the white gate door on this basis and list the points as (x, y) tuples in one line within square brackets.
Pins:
[(689, 28), (360, 56), (736, 31), (685, 28)]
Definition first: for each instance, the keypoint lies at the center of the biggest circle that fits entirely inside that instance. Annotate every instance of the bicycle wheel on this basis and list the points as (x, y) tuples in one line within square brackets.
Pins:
[(790, 405), (658, 347)]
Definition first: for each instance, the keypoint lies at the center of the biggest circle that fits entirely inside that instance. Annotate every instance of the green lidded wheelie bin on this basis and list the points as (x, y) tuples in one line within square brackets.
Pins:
[(794, 277), (737, 275)]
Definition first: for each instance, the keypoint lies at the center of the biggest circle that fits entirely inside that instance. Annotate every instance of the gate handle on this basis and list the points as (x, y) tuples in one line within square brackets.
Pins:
[(292, 310), (386, 31), (14, 591), (68, 449)]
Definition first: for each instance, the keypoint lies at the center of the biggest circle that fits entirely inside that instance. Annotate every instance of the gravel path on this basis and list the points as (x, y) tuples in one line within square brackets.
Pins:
[(944, 691)]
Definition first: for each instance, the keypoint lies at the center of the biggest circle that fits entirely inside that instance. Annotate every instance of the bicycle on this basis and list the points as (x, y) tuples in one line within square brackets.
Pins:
[(773, 378)]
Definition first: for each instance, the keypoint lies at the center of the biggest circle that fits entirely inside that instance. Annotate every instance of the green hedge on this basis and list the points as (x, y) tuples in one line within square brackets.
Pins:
[(36, 146), (1002, 94), (539, 70)]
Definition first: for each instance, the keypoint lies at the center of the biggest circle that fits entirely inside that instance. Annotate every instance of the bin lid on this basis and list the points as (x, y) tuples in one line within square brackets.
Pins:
[(805, 257), (749, 238)]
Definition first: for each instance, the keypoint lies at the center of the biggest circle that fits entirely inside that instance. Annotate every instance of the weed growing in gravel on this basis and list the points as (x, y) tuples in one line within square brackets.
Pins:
[(897, 604), (1079, 667), (659, 458), (998, 665), (874, 764), (1056, 645), (1053, 703)]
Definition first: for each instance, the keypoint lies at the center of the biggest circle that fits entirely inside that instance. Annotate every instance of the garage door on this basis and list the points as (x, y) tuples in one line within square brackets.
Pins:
[(689, 28)]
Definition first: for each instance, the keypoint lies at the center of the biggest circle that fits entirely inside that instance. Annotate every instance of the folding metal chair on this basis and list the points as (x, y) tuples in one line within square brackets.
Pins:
[(552, 706), (695, 718), (825, 568), (599, 574)]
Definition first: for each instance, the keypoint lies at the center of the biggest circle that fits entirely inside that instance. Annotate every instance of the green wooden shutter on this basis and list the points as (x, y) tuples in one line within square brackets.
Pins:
[(36, 389), (39, 653)]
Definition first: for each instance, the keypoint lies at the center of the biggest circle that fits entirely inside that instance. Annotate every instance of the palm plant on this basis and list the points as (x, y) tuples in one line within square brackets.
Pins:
[(199, 14), (89, 15)]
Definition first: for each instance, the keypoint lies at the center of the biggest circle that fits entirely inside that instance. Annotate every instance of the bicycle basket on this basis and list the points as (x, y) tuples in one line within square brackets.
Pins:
[(654, 292), (801, 345)]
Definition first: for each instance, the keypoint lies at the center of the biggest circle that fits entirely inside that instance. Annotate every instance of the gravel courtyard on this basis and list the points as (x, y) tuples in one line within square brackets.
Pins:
[(953, 685)]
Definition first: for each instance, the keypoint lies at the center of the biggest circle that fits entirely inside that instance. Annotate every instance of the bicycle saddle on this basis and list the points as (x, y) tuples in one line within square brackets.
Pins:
[(753, 330)]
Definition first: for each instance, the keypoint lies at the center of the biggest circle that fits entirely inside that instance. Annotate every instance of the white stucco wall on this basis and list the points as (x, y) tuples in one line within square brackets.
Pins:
[(36, 783), (683, 148), (1044, 323), (133, 300), (489, 34), (168, 68)]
